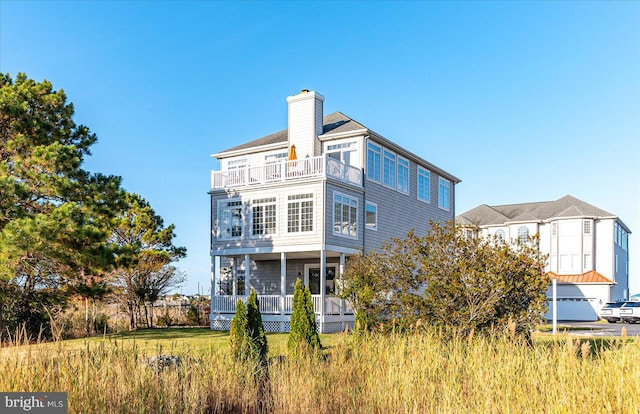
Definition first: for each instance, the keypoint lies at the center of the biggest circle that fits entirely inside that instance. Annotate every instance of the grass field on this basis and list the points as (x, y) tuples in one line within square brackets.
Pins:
[(414, 373)]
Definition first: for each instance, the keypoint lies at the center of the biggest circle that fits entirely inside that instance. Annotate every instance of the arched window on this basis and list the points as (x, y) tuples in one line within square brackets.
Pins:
[(523, 234), (500, 235)]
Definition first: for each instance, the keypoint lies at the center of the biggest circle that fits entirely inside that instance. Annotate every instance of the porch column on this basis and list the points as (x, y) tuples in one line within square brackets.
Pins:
[(323, 286), (339, 276), (234, 276), (283, 280), (215, 275), (247, 274)]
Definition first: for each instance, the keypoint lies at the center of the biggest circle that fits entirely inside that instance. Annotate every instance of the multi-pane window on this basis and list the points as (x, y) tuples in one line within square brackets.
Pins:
[(374, 155), (500, 235), (345, 215), (443, 193), (371, 214), (424, 179), (275, 157), (403, 175), (554, 229), (586, 227), (263, 216), (300, 213), (389, 169), (523, 234), (230, 219)]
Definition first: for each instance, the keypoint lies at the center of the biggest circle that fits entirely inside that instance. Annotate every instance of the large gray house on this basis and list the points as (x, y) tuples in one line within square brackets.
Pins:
[(299, 202)]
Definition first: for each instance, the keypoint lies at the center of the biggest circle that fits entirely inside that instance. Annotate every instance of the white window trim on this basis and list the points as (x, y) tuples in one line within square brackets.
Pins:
[(220, 206), (398, 158), (428, 175), (333, 215), (448, 208), (286, 213), (262, 236), (379, 152), (375, 228), (393, 170)]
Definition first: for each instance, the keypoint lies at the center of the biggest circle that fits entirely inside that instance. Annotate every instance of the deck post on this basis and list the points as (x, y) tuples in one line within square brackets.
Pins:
[(234, 276), (323, 286), (215, 275), (340, 273), (247, 275), (283, 280)]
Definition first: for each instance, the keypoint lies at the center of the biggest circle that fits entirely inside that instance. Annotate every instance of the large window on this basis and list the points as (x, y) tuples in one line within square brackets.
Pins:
[(345, 215), (424, 180), (374, 153), (443, 193), (403, 175), (523, 235), (371, 216), (263, 216), (230, 219), (500, 235), (389, 169), (300, 213)]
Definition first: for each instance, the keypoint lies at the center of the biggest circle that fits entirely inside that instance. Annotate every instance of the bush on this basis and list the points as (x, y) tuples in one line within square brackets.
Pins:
[(303, 333)]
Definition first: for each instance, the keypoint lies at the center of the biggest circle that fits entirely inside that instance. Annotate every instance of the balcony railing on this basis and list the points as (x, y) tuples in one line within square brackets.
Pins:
[(286, 170), (281, 305)]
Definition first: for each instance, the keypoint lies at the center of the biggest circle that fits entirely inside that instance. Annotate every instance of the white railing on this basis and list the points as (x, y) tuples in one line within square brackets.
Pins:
[(286, 170), (273, 304)]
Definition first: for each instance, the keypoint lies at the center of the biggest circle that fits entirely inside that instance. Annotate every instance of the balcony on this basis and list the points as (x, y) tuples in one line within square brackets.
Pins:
[(283, 305), (286, 171)]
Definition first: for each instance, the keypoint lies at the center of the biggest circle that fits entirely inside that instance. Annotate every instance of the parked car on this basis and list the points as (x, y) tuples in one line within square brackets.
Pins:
[(630, 312), (611, 311)]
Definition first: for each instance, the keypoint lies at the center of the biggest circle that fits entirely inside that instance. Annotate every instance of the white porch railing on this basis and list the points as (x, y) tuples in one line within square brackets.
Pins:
[(285, 170), (273, 304)]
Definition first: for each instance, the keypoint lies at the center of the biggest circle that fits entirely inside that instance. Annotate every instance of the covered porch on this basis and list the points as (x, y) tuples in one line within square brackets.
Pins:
[(272, 275)]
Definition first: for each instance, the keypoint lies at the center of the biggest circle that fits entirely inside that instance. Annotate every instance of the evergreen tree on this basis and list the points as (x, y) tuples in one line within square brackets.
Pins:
[(303, 332), (255, 329), (238, 338)]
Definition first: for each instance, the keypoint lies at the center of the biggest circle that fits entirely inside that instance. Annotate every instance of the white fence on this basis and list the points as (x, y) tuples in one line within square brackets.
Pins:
[(276, 304), (286, 170)]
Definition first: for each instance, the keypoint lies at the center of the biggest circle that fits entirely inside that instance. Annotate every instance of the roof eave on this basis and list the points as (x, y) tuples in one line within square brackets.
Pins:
[(252, 150), (356, 132)]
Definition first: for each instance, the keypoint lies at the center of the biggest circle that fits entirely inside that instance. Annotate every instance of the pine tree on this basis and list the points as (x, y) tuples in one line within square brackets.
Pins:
[(238, 333), (255, 329), (303, 332)]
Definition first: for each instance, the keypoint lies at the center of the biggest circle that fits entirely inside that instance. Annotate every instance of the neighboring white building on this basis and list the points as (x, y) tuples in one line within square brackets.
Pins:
[(275, 219), (587, 249)]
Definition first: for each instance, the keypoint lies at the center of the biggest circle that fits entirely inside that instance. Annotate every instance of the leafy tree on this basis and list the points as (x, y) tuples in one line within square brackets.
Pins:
[(303, 334), (446, 279), (54, 216), (144, 251)]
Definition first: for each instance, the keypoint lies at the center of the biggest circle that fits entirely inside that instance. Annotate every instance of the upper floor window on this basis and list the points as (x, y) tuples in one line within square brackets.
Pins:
[(586, 227), (389, 169), (403, 175), (263, 216), (554, 229), (275, 157), (424, 179), (500, 235), (523, 234), (237, 163), (374, 155), (443, 193), (230, 219), (342, 151), (371, 216), (300, 213), (345, 215)]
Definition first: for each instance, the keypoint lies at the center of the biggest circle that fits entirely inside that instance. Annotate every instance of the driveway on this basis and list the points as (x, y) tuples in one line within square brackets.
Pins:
[(599, 328)]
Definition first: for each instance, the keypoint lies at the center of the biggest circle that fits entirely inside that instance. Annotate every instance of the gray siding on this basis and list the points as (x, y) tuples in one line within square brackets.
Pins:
[(337, 240)]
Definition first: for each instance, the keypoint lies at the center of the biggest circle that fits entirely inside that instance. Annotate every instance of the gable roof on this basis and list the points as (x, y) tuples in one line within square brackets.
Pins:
[(589, 277), (566, 206), (334, 123)]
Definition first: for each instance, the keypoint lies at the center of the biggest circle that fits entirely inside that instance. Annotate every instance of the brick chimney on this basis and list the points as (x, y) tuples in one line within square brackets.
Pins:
[(305, 122)]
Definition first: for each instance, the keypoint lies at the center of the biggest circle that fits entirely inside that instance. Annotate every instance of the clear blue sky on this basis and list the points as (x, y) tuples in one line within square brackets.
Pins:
[(524, 101)]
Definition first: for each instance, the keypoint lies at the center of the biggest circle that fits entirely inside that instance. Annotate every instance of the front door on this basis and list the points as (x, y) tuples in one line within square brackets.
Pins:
[(313, 279)]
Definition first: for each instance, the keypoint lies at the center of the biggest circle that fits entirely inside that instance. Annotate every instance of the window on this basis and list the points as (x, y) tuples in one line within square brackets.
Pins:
[(443, 193), (586, 265), (554, 229), (230, 219), (345, 215), (523, 234), (263, 216), (237, 163), (423, 184), (371, 216), (500, 235), (403, 175), (275, 157), (300, 213), (389, 169), (373, 161), (586, 227), (342, 152)]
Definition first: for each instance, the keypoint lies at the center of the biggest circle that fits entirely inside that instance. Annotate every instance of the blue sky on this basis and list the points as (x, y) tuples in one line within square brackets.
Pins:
[(524, 101)]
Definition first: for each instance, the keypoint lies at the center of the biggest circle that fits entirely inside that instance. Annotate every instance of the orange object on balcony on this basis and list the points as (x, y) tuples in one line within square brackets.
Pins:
[(292, 153)]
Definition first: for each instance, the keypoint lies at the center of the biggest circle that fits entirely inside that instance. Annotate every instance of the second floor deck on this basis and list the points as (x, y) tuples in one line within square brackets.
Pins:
[(286, 171)]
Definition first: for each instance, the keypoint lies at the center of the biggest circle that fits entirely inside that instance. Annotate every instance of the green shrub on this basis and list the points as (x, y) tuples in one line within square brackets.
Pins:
[(303, 333)]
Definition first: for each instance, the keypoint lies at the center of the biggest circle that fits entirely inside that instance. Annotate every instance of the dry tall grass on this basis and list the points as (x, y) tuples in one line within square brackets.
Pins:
[(418, 373)]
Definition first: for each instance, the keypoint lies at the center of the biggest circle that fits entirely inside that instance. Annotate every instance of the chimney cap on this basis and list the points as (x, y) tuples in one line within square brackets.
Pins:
[(304, 91)]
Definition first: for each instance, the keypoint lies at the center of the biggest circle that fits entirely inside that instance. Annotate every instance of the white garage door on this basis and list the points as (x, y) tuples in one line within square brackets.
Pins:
[(575, 309)]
